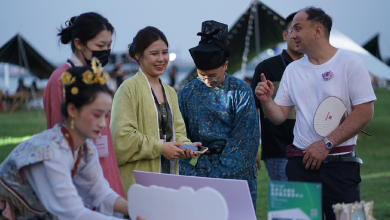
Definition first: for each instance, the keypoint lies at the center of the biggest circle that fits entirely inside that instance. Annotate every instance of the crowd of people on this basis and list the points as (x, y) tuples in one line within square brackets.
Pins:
[(61, 174)]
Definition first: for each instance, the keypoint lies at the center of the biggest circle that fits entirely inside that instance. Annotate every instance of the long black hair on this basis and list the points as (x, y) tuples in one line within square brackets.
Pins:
[(84, 27)]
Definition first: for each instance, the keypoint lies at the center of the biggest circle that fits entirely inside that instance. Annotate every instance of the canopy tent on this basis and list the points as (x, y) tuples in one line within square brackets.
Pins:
[(269, 25), (18, 52), (372, 46), (373, 64), (243, 40)]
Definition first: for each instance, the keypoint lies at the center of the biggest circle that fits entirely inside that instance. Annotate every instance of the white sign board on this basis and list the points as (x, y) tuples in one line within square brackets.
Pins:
[(160, 203), (235, 192)]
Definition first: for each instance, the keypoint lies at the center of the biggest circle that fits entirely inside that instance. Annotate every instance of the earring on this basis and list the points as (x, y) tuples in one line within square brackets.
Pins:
[(72, 123)]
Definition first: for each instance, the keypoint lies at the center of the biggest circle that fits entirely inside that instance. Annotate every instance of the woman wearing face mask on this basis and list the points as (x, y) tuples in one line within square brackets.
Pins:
[(56, 172), (146, 124), (90, 36)]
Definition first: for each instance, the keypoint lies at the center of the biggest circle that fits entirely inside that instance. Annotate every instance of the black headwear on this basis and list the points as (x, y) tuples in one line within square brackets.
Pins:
[(212, 50)]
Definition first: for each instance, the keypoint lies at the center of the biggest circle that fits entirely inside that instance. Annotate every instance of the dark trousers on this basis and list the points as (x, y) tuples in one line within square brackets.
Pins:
[(340, 182)]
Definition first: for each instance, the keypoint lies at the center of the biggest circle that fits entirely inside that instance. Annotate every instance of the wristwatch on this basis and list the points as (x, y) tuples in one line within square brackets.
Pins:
[(328, 144)]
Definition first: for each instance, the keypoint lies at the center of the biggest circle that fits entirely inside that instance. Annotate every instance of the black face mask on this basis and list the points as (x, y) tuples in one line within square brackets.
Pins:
[(101, 55)]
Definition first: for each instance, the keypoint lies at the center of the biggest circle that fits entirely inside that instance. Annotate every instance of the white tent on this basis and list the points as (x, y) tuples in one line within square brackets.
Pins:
[(373, 64)]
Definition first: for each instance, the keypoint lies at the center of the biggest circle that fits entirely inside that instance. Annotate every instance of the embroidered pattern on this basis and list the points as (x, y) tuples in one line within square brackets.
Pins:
[(47, 145), (222, 117)]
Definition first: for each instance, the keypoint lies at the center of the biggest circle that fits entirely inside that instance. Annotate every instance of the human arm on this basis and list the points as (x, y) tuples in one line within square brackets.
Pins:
[(53, 185), (129, 143), (93, 187), (352, 125), (277, 114), (258, 164), (120, 205)]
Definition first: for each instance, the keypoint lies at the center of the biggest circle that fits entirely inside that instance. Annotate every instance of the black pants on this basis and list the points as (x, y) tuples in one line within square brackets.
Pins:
[(340, 182)]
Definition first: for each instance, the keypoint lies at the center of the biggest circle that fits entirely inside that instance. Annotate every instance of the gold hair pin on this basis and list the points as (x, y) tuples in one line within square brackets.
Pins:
[(67, 78), (97, 76), (69, 23), (74, 90), (89, 77)]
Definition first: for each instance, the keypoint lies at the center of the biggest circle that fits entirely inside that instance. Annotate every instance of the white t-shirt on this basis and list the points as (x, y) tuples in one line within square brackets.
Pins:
[(303, 86)]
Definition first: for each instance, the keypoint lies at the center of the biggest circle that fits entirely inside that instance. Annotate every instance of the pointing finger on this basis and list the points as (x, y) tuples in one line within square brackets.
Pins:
[(263, 79)]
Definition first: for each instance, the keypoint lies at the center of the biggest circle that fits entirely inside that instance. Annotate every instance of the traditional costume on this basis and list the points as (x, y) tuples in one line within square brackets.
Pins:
[(139, 125), (223, 118), (52, 99), (47, 174)]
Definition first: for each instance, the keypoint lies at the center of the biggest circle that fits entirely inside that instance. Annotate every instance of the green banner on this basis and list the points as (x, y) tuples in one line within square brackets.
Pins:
[(294, 200)]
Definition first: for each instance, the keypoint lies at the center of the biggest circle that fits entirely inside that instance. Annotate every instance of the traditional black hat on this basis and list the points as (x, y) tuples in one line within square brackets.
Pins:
[(212, 50)]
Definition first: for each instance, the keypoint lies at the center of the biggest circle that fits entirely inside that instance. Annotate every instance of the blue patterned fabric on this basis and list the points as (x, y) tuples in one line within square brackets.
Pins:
[(222, 117)]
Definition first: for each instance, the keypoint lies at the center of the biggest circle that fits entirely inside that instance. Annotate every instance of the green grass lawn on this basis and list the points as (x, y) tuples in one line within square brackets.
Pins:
[(19, 124), (374, 151)]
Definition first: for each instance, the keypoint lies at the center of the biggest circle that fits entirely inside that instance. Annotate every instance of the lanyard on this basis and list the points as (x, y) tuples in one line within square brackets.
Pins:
[(284, 62), (164, 124)]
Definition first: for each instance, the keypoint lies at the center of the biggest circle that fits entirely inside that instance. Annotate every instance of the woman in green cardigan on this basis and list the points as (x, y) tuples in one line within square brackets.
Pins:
[(146, 124)]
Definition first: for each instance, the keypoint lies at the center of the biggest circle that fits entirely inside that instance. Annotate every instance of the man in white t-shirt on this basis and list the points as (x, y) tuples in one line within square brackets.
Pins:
[(312, 157)]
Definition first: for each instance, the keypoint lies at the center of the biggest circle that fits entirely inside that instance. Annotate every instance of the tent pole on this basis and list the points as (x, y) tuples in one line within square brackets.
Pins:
[(6, 78), (23, 53), (257, 33), (20, 57), (249, 33)]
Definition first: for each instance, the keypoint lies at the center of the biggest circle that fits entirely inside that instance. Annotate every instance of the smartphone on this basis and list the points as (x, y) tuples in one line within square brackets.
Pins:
[(199, 150), (189, 147)]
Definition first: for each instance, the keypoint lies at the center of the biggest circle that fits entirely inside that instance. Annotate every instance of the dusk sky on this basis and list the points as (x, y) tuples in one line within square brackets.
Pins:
[(38, 20)]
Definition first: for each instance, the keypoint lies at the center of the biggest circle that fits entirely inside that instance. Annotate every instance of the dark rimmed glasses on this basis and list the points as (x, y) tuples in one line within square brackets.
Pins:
[(212, 79)]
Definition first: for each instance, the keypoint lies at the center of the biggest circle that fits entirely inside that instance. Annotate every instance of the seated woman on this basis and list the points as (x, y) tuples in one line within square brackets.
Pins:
[(57, 171)]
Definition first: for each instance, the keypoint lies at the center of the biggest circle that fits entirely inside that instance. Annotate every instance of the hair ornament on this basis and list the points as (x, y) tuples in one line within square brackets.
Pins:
[(74, 90), (98, 76), (88, 77), (132, 46), (67, 78), (69, 23)]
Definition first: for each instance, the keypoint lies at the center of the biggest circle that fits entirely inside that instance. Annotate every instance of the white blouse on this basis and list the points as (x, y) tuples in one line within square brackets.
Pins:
[(65, 197)]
